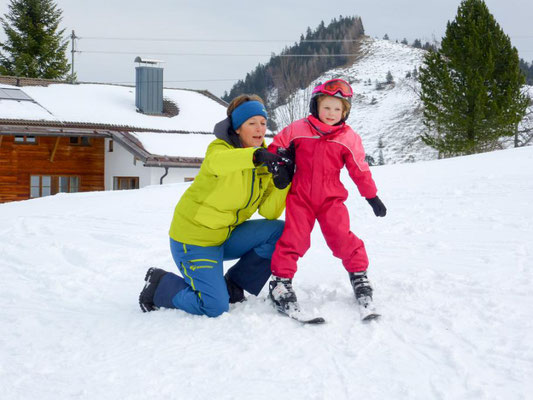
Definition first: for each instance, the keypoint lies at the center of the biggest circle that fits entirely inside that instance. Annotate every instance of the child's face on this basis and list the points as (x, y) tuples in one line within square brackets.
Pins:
[(330, 110), (252, 131)]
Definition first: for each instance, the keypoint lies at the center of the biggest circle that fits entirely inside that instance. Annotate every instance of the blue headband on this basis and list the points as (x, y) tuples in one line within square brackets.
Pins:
[(247, 110)]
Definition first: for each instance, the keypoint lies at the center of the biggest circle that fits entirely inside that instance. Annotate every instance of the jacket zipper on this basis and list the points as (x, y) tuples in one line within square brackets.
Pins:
[(247, 204)]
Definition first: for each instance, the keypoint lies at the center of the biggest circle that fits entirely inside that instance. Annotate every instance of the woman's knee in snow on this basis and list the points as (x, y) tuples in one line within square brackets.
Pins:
[(213, 307)]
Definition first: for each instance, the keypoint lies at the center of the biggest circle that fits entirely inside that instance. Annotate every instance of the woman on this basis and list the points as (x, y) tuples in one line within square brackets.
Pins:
[(210, 224)]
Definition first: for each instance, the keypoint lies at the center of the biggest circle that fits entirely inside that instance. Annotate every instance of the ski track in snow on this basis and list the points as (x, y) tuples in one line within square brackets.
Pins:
[(450, 263)]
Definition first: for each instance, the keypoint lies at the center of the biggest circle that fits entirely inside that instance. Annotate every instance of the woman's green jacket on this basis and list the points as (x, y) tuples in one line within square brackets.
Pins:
[(227, 191)]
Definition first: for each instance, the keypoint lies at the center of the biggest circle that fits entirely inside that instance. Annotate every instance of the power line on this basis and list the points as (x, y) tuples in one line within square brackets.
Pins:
[(143, 39), (212, 54)]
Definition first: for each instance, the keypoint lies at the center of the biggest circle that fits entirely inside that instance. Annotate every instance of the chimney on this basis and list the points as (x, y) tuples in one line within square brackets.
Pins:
[(149, 86)]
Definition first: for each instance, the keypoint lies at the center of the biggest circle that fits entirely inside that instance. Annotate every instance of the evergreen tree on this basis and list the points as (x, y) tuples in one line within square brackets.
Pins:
[(417, 44), (381, 146), (34, 46), (389, 78), (471, 87), (428, 46), (527, 70), (386, 37)]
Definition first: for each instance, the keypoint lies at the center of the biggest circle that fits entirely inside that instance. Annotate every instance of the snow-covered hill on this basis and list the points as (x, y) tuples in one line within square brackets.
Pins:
[(451, 264), (387, 116)]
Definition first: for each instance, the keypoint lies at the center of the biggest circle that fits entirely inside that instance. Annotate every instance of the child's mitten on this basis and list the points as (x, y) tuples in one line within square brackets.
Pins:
[(377, 205)]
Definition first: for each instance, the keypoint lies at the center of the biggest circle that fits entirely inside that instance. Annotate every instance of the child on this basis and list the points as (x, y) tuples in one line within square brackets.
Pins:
[(323, 144)]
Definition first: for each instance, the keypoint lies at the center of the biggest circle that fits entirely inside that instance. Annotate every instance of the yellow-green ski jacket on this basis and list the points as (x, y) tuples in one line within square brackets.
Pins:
[(227, 191)]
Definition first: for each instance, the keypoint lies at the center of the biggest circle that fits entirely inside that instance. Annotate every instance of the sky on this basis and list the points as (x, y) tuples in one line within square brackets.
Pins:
[(211, 44)]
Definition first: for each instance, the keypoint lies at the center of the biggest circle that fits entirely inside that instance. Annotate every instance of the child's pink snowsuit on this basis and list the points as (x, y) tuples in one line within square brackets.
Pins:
[(317, 193)]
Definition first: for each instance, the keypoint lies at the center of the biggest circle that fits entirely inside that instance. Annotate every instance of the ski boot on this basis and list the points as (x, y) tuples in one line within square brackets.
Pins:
[(146, 298), (282, 295), (363, 295), (236, 293)]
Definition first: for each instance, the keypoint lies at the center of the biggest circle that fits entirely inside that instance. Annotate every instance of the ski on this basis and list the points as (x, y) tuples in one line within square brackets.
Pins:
[(283, 299), (297, 315), (367, 309), (303, 319)]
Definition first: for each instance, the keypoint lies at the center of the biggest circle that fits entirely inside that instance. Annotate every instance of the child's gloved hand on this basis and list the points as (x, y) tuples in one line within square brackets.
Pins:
[(287, 152), (288, 157), (283, 176), (377, 205), (272, 161)]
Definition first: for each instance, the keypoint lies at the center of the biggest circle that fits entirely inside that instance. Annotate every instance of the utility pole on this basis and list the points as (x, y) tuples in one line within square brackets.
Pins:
[(73, 37)]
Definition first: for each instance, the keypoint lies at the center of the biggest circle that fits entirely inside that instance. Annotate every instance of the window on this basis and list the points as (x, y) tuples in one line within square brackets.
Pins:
[(110, 145), (40, 185), (125, 182), (68, 184), (25, 139), (46, 185), (80, 141), (13, 94)]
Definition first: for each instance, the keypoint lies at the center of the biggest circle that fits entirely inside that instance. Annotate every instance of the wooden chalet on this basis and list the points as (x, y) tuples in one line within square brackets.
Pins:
[(44, 150)]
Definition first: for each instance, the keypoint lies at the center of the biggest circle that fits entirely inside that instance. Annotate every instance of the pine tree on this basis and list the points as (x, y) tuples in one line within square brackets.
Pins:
[(471, 87), (527, 70), (381, 146), (389, 78), (34, 46)]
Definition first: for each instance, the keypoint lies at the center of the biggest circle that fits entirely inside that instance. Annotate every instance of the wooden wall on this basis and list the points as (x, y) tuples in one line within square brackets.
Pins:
[(19, 161)]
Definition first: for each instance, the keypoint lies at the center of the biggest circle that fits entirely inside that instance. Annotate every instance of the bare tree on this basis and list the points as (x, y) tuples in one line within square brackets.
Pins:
[(297, 107), (286, 78)]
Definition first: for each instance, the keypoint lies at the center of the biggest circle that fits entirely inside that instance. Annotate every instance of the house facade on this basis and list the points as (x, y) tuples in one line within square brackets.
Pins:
[(58, 137), (35, 166)]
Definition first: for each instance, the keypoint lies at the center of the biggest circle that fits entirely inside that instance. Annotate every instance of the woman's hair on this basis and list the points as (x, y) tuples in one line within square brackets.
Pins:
[(346, 105), (243, 98)]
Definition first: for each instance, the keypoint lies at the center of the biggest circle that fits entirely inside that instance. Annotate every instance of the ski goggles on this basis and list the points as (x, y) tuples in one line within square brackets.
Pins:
[(334, 87)]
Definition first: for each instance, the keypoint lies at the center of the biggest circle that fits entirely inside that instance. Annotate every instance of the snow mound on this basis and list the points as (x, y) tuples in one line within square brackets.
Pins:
[(451, 265)]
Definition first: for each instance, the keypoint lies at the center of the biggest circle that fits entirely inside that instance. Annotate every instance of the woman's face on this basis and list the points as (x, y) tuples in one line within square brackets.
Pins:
[(330, 110), (252, 131)]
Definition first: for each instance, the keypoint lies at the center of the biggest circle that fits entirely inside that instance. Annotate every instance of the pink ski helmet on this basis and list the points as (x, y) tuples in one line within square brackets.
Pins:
[(334, 87)]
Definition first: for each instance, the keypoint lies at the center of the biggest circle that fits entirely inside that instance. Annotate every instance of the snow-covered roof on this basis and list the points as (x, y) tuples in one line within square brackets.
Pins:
[(113, 107), (191, 145)]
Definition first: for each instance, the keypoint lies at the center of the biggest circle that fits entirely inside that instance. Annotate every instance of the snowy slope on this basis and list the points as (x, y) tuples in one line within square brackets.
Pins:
[(451, 265), (393, 113)]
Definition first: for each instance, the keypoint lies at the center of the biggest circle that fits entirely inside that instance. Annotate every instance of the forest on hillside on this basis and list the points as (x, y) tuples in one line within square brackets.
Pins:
[(317, 51)]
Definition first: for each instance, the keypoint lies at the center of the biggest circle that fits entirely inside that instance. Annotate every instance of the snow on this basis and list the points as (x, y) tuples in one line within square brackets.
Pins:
[(115, 105), (22, 109), (451, 265), (175, 144)]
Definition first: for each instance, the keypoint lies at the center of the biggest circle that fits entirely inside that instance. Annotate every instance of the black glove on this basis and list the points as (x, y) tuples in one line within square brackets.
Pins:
[(283, 176), (271, 161), (287, 152), (377, 205), (289, 157)]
